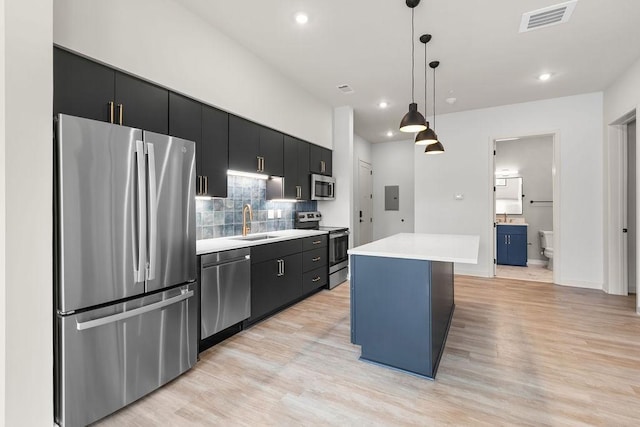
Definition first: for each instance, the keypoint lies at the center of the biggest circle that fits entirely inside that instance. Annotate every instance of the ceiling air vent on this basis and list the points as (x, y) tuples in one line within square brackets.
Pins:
[(545, 17), (345, 89)]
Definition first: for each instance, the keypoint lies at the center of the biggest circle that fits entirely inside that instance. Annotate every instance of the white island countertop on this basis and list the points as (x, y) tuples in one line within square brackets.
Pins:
[(428, 247)]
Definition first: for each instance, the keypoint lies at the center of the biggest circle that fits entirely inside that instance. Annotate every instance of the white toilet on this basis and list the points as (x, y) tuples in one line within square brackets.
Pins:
[(546, 246)]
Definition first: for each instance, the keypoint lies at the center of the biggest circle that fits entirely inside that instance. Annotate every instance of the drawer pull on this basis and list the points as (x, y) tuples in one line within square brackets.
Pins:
[(316, 259), (315, 279), (316, 242)]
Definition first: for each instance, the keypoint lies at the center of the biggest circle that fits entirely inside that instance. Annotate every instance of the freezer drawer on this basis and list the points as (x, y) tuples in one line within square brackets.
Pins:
[(112, 356)]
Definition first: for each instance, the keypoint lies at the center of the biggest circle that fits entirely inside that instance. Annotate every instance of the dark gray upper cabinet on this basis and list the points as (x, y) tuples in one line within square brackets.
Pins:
[(209, 128), (185, 121), (85, 89), (254, 148), (244, 145), (296, 169), (320, 160), (271, 151), (215, 150), (81, 87), (141, 104)]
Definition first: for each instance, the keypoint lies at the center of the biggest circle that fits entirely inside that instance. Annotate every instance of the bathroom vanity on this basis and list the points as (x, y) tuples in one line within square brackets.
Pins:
[(511, 244)]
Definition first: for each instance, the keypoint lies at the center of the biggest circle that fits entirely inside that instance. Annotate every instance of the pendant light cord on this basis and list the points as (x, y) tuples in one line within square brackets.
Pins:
[(425, 79), (412, 59), (434, 98)]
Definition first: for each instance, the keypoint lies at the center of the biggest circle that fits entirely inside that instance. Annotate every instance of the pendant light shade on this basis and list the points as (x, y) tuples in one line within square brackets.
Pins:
[(436, 148), (413, 121), (427, 136)]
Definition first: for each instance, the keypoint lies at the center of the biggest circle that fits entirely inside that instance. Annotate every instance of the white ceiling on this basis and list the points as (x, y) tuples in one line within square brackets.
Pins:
[(485, 61)]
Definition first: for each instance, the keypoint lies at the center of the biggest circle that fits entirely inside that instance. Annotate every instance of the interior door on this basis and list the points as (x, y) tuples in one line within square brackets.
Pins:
[(171, 218), (365, 187), (97, 195), (632, 232)]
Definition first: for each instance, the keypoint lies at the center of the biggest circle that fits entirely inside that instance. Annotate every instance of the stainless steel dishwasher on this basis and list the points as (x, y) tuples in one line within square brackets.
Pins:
[(225, 290)]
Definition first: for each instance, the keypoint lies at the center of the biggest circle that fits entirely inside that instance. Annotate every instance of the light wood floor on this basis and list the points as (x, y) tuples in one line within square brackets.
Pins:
[(533, 272), (516, 355)]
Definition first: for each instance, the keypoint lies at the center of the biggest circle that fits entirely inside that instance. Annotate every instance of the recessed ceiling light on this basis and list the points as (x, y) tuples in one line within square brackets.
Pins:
[(302, 18), (383, 104), (389, 133), (544, 77)]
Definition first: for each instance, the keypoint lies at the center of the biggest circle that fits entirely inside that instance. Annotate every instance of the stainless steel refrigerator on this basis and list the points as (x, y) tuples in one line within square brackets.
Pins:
[(125, 266)]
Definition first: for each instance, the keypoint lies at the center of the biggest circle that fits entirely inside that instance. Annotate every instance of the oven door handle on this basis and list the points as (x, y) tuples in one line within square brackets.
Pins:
[(336, 235)]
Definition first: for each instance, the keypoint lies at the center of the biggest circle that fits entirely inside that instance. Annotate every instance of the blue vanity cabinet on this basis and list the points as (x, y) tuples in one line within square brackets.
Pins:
[(511, 245)]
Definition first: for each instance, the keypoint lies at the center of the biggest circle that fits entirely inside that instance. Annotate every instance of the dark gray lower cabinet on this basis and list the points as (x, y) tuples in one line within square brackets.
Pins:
[(276, 277)]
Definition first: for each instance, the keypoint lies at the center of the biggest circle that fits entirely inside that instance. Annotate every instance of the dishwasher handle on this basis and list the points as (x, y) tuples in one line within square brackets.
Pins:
[(216, 263)]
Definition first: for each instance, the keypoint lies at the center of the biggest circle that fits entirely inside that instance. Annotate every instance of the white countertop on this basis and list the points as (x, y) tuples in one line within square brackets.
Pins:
[(512, 223), (206, 246), (429, 247)]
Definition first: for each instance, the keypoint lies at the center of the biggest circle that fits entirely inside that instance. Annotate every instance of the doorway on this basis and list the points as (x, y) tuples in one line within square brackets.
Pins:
[(365, 203), (631, 231), (524, 200)]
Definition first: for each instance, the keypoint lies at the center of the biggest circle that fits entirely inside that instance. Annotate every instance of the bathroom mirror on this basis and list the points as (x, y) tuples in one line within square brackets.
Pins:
[(509, 195)]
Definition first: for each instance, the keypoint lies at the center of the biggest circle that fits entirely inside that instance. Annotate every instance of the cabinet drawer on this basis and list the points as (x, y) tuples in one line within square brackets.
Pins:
[(512, 229), (314, 242), (268, 251), (314, 279), (314, 259)]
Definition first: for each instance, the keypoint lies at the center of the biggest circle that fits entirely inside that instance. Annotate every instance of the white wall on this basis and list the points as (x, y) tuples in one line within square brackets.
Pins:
[(620, 99), (393, 165), (464, 168), (338, 212), (161, 41), (26, 221)]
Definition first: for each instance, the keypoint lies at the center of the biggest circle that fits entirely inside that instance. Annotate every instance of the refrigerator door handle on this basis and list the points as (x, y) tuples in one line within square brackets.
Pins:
[(132, 313), (153, 213), (142, 212)]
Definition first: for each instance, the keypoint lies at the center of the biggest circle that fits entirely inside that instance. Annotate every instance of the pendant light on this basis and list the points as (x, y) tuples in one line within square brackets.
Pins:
[(413, 121), (427, 136), (436, 148)]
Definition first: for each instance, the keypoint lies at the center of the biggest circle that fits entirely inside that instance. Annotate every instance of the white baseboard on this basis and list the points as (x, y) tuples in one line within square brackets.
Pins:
[(536, 262), (581, 284)]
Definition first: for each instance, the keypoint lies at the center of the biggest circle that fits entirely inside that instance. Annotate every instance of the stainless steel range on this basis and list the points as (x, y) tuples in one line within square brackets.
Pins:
[(338, 245)]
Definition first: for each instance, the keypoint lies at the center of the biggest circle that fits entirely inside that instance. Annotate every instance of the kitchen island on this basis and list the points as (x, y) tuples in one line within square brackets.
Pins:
[(402, 297)]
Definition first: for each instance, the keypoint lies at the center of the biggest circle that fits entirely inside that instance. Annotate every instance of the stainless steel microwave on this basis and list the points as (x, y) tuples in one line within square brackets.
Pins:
[(323, 187)]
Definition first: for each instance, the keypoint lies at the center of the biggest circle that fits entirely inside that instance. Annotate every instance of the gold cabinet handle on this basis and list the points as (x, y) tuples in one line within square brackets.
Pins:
[(111, 112), (316, 242), (315, 279), (206, 185), (121, 113), (258, 169), (316, 259)]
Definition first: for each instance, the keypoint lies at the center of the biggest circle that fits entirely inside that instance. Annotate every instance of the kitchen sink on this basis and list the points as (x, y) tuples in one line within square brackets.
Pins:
[(254, 238)]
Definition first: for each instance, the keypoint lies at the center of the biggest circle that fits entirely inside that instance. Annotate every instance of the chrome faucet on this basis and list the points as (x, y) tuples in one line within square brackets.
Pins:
[(246, 229)]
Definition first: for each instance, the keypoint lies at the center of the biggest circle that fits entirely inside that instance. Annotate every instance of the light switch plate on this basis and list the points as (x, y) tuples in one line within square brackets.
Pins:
[(270, 214)]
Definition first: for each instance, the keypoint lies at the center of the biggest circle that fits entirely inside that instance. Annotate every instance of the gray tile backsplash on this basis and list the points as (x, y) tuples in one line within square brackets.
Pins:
[(223, 217)]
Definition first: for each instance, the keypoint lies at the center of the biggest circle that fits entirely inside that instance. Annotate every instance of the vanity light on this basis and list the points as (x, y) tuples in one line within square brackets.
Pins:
[(413, 121), (507, 172), (544, 77), (507, 139), (302, 18), (247, 174)]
